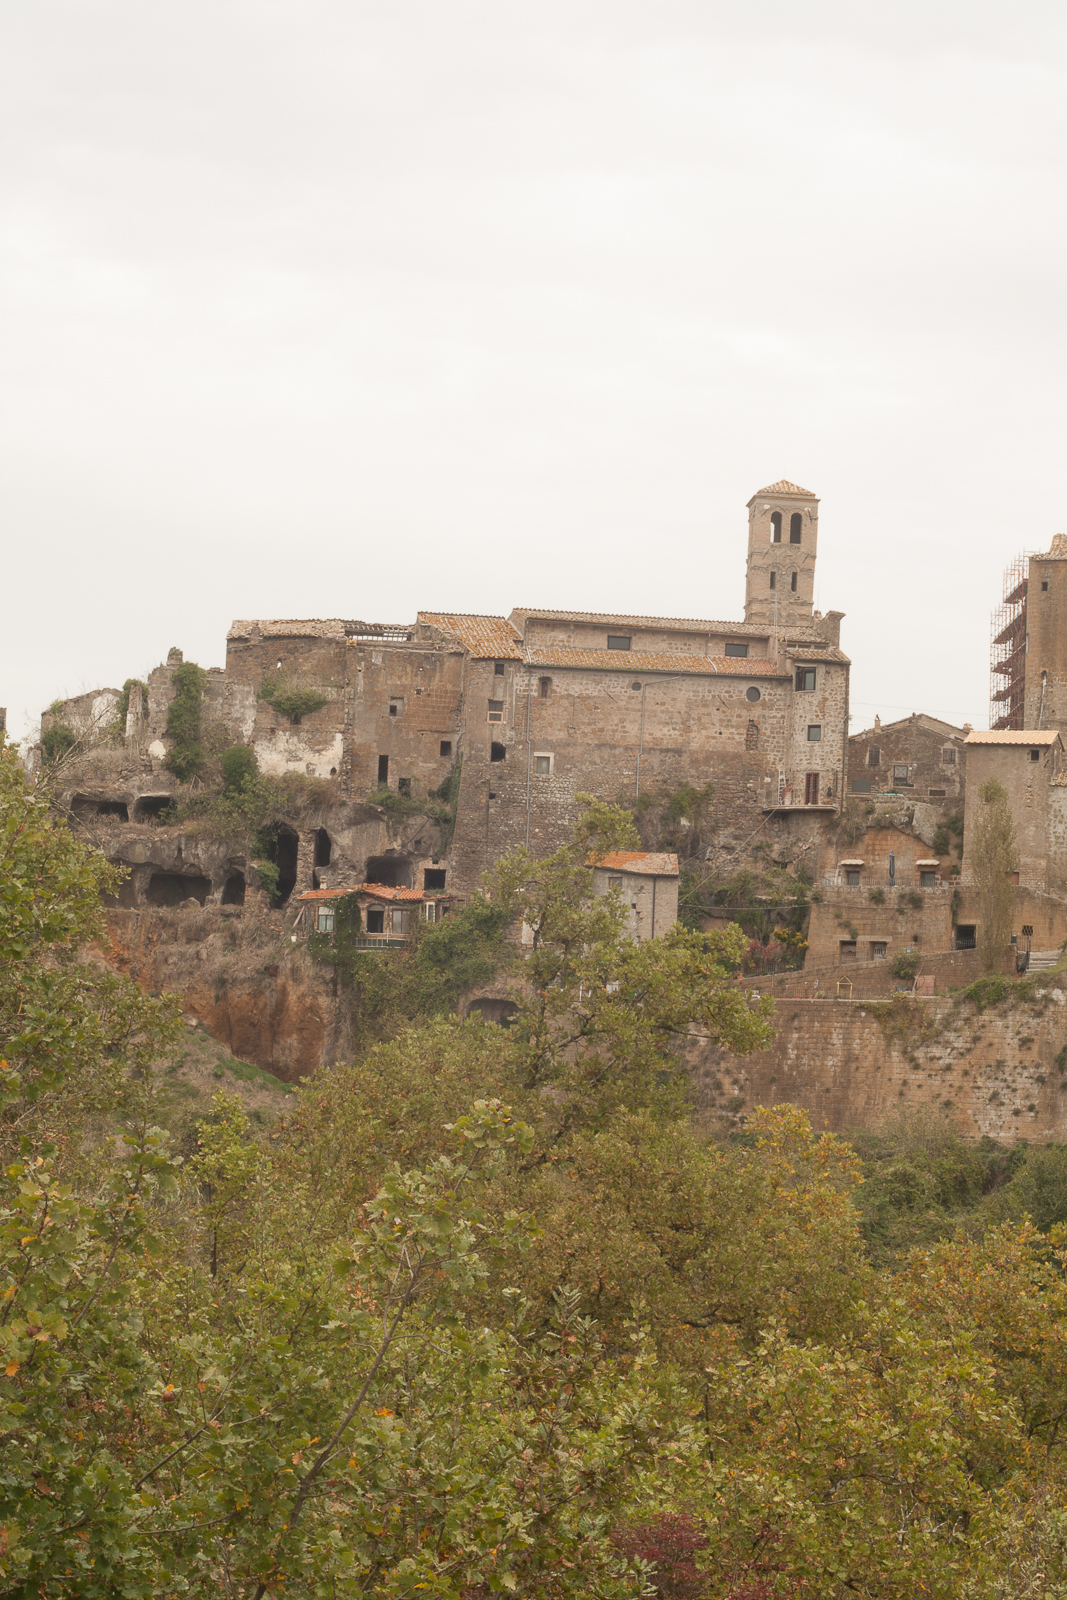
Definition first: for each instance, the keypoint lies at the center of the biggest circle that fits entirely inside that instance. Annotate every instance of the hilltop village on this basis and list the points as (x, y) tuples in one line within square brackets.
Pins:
[(433, 748)]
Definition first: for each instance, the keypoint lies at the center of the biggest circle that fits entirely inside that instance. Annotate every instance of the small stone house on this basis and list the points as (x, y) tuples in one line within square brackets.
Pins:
[(388, 914), (648, 883)]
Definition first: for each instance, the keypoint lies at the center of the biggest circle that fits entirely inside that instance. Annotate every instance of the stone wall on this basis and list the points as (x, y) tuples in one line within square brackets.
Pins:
[(918, 757)]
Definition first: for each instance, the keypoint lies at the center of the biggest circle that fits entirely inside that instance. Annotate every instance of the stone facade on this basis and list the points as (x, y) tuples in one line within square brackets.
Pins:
[(918, 758)]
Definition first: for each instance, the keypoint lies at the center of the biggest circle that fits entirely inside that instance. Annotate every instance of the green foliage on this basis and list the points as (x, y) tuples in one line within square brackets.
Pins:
[(239, 769), (913, 900), (56, 741), (906, 964), (184, 722), (122, 709), (289, 697), (877, 897), (942, 843)]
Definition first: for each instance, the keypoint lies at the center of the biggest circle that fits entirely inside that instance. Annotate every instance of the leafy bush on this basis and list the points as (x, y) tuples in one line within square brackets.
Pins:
[(239, 768), (877, 897), (122, 709), (914, 899), (184, 720), (55, 743), (289, 698), (905, 965), (942, 843)]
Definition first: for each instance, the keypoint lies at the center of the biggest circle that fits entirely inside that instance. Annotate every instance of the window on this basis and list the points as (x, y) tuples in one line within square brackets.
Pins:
[(497, 752), (395, 707), (874, 756), (861, 786), (543, 765), (811, 788), (375, 920), (324, 921), (739, 650), (383, 769), (496, 711), (852, 877), (433, 878), (806, 678), (1035, 755), (776, 527), (848, 950), (927, 880), (1044, 584), (429, 911), (948, 756), (795, 524), (446, 747), (498, 669), (544, 687), (752, 694), (814, 732), (878, 949), (618, 641), (615, 883), (900, 772), (404, 788), (774, 579), (937, 794), (793, 582)]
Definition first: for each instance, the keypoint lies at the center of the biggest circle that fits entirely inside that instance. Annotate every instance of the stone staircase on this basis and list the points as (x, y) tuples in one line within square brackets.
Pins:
[(1041, 960)]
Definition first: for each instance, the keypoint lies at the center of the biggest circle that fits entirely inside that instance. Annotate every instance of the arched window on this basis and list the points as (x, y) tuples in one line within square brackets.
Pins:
[(774, 579), (794, 528), (776, 527), (793, 583)]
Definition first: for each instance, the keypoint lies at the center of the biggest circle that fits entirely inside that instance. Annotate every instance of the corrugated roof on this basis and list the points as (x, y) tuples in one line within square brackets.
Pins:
[(485, 637), (783, 486), (650, 863), (1030, 736), (638, 661), (378, 891)]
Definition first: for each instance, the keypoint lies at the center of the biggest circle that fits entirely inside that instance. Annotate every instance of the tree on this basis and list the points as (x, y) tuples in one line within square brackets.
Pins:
[(993, 857)]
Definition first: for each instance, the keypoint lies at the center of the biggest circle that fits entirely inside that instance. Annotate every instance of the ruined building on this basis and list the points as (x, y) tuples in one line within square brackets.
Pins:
[(512, 717)]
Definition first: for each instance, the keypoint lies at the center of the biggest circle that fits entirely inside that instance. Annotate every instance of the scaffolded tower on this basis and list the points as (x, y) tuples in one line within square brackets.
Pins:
[(1007, 656)]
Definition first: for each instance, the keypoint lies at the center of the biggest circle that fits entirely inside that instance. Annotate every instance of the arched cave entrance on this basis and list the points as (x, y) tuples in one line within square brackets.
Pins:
[(282, 846), (392, 869), (150, 807), (86, 808), (502, 1012), (233, 890), (323, 848), (171, 888)]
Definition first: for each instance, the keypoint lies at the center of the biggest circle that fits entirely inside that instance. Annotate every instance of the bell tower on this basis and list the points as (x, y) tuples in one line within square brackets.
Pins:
[(783, 533)]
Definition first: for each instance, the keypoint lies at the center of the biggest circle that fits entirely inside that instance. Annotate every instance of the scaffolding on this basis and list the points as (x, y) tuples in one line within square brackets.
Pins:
[(1007, 655)]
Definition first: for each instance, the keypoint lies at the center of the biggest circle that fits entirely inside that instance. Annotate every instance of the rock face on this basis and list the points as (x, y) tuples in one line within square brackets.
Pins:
[(238, 972)]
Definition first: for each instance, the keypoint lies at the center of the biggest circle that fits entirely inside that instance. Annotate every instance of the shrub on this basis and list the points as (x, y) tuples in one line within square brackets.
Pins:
[(290, 699), (186, 755), (239, 768), (905, 965), (914, 899), (55, 743), (877, 897), (942, 843), (122, 709)]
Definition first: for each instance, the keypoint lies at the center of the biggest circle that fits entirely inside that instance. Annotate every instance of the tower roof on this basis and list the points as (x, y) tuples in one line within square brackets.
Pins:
[(783, 486)]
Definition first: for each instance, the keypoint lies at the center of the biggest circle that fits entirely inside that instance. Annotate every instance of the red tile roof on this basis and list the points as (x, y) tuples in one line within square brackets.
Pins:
[(1031, 736), (783, 486), (823, 652), (650, 863), (638, 661), (485, 637)]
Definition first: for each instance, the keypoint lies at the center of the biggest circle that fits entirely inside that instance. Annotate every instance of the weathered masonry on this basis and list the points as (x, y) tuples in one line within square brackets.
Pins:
[(509, 719)]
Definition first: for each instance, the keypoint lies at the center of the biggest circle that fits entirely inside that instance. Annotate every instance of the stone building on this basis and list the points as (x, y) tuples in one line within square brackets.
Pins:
[(509, 719), (887, 894), (917, 758), (647, 881)]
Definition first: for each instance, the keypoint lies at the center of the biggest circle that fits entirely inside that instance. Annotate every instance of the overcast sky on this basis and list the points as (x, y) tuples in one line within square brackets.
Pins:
[(331, 308)]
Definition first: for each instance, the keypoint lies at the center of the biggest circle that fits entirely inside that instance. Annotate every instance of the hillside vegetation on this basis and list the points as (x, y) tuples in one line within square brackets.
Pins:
[(484, 1311)]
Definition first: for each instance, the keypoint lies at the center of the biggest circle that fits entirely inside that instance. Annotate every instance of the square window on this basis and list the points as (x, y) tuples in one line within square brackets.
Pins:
[(543, 765), (848, 950), (736, 649), (900, 773), (433, 878), (852, 877), (1035, 755), (806, 678), (861, 786), (878, 949), (324, 923), (1044, 584), (395, 707), (618, 641), (375, 919), (814, 732), (948, 756), (498, 669), (615, 883), (446, 747), (496, 711)]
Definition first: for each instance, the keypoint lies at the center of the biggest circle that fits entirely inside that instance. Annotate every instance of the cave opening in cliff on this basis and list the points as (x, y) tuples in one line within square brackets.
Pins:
[(323, 848), (86, 808), (150, 807), (171, 888), (502, 1012), (392, 870), (281, 845), (233, 890)]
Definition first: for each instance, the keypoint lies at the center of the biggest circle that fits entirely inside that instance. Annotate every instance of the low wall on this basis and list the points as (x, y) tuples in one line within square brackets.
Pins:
[(856, 1064), (949, 969)]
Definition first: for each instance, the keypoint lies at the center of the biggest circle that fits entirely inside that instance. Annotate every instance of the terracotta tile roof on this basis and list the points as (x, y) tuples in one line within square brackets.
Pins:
[(1030, 736), (826, 652), (377, 891), (612, 619), (650, 863), (638, 661), (783, 486), (484, 637)]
